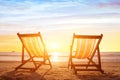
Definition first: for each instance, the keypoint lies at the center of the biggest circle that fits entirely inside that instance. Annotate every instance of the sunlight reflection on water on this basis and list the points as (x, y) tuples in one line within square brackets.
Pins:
[(54, 57)]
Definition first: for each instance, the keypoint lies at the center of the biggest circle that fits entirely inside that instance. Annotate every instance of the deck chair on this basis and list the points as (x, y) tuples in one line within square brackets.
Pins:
[(85, 53), (34, 46)]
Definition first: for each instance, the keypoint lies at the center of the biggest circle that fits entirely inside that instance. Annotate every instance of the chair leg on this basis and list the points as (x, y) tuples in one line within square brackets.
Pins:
[(22, 64), (102, 71), (90, 61), (69, 63), (73, 66), (49, 63), (31, 69)]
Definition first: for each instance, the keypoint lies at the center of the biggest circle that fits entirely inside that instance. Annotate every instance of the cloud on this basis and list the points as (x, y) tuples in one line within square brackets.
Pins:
[(111, 4), (49, 8), (44, 13)]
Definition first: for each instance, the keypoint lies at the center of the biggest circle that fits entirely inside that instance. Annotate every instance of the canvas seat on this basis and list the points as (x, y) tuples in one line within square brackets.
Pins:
[(34, 46), (85, 53)]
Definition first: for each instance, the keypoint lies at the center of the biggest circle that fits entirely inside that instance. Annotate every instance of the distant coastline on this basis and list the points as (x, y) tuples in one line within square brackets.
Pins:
[(62, 56)]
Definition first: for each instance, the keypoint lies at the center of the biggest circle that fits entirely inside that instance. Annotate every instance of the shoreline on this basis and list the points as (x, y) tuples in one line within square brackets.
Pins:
[(16, 56)]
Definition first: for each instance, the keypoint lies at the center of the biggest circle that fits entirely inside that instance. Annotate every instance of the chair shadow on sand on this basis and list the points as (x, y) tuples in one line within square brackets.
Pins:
[(93, 76), (23, 75)]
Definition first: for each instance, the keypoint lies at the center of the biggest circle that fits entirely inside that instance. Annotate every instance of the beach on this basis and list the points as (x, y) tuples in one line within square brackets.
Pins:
[(60, 32), (59, 71)]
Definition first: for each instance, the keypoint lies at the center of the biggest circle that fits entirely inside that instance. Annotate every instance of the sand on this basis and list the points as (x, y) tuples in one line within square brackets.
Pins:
[(58, 72)]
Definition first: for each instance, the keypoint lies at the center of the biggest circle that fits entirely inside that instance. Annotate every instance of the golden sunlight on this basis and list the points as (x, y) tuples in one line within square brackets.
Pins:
[(54, 46), (54, 57), (53, 49)]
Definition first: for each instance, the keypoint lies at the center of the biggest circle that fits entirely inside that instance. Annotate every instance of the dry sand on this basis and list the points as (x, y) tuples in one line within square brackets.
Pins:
[(58, 72)]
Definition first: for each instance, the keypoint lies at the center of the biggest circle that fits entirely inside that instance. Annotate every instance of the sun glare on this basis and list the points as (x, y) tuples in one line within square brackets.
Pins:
[(54, 56), (54, 45)]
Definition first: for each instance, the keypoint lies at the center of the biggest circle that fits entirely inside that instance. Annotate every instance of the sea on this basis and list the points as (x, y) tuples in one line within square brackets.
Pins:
[(59, 57)]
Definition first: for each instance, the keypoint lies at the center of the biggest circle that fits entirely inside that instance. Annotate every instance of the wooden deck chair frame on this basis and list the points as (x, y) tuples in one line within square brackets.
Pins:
[(90, 63), (31, 59)]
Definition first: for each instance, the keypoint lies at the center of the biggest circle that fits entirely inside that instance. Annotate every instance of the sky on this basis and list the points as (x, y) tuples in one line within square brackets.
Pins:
[(57, 20)]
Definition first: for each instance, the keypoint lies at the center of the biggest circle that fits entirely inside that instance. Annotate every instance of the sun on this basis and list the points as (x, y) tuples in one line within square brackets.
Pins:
[(54, 46)]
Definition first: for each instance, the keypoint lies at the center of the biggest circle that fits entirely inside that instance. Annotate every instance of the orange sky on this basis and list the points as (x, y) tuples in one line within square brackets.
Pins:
[(60, 42)]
